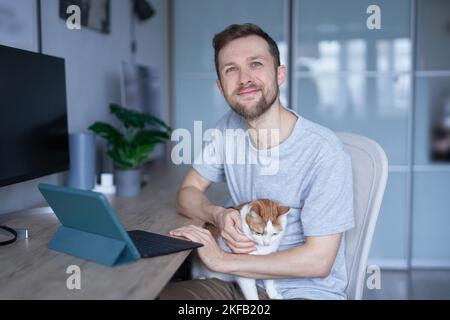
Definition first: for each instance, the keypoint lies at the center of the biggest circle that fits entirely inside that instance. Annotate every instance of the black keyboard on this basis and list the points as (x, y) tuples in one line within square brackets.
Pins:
[(152, 244)]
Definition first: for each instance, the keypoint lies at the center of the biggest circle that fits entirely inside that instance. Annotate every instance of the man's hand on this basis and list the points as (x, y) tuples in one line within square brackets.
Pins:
[(229, 223), (211, 254)]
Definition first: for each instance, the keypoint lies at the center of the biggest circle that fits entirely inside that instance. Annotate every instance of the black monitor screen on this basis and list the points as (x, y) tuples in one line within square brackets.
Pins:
[(33, 116)]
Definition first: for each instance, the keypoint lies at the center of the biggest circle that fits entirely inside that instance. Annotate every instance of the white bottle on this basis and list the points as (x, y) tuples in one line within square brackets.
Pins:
[(106, 185)]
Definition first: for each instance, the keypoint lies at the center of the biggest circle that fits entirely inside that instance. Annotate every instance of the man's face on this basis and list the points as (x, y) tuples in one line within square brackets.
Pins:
[(248, 78)]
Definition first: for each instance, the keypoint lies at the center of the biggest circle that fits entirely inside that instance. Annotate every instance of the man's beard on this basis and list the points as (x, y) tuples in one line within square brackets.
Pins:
[(261, 107)]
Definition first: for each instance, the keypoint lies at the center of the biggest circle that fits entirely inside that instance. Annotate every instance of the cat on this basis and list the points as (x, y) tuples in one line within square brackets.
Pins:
[(263, 221)]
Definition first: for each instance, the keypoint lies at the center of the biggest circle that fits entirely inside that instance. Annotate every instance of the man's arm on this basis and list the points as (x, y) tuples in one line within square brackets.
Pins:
[(192, 201), (313, 259)]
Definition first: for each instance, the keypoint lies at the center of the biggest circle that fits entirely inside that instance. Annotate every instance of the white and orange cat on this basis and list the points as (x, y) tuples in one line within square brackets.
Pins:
[(263, 221)]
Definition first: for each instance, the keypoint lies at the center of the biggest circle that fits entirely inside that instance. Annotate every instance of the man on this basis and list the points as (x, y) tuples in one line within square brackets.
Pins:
[(313, 178)]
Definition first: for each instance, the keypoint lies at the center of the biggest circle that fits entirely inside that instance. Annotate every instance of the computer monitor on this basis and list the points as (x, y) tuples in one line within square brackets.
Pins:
[(33, 116)]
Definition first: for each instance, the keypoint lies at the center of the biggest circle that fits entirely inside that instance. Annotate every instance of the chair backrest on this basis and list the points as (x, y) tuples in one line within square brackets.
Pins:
[(370, 171)]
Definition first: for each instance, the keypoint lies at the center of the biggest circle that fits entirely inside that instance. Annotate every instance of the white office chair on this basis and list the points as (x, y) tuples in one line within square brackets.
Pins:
[(370, 171)]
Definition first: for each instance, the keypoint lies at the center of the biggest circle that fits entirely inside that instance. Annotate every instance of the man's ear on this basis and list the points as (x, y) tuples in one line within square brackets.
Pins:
[(281, 74), (219, 85)]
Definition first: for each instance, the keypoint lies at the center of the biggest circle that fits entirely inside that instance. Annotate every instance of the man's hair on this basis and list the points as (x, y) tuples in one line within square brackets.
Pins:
[(236, 31)]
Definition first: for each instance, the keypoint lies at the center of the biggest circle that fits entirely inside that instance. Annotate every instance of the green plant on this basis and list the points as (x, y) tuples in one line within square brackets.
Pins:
[(130, 146)]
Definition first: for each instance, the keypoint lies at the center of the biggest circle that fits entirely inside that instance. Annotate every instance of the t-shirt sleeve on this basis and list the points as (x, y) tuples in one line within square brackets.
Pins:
[(328, 205), (209, 162)]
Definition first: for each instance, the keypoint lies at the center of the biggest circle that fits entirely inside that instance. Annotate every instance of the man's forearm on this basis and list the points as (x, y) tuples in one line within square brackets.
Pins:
[(298, 262), (193, 203)]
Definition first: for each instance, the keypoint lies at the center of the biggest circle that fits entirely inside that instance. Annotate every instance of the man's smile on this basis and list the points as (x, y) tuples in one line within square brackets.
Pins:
[(249, 91)]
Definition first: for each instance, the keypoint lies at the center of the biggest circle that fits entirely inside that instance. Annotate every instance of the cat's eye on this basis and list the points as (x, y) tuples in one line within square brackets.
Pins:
[(259, 233)]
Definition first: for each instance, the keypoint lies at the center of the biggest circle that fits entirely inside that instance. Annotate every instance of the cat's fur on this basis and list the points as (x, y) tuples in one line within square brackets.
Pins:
[(263, 221)]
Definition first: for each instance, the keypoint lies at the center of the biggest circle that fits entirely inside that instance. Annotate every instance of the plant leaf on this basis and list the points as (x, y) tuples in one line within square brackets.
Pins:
[(107, 132), (128, 117), (150, 137), (142, 153), (144, 149), (149, 119), (131, 148), (119, 161)]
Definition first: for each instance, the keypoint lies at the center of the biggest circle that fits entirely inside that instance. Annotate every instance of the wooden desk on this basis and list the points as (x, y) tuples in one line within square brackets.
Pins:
[(28, 270)]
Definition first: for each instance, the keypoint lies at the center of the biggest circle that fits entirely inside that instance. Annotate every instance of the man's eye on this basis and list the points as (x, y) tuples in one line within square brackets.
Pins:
[(230, 69), (256, 64)]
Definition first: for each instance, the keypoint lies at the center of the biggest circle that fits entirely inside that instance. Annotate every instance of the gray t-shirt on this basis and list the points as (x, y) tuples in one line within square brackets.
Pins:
[(313, 177)]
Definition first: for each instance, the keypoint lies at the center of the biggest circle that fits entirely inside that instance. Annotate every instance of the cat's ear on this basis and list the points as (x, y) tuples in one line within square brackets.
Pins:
[(282, 210), (255, 209)]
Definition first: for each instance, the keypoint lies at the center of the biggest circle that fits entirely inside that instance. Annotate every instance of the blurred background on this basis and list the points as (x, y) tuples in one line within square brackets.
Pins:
[(391, 84)]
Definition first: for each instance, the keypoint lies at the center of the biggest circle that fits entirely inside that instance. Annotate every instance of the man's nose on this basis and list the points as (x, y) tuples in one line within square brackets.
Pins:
[(245, 77)]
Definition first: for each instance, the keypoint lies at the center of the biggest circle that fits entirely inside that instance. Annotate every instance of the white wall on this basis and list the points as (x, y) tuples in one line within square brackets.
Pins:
[(92, 61)]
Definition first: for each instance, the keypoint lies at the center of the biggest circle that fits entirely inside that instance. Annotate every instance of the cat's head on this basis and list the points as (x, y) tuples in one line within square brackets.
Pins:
[(263, 220)]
